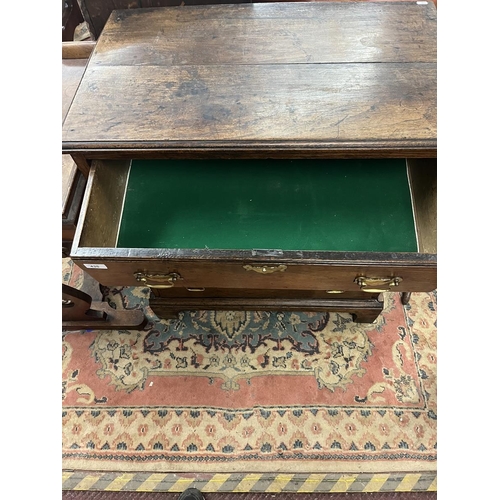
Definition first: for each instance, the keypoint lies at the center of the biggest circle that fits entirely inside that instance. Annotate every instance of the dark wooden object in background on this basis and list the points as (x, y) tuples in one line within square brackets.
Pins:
[(71, 18)]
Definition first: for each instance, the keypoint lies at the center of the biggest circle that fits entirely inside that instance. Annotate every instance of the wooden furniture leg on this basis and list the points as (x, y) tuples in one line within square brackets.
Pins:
[(405, 297), (80, 312)]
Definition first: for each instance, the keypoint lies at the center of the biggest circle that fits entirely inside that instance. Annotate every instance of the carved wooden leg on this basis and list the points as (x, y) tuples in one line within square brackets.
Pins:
[(405, 297)]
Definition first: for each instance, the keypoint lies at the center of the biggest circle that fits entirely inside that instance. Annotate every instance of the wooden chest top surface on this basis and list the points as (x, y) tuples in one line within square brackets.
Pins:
[(317, 79)]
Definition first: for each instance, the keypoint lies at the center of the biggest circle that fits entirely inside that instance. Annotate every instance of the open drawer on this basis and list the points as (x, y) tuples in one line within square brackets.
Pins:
[(261, 228)]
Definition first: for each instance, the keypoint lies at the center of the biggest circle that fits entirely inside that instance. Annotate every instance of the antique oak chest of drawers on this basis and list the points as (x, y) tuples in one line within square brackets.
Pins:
[(260, 157)]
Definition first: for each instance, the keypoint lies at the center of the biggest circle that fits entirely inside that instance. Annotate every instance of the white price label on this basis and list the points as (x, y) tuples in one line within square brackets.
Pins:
[(95, 266)]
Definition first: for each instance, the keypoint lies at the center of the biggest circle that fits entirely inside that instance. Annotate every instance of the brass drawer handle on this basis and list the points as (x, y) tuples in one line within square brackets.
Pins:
[(145, 278), (372, 285), (264, 269)]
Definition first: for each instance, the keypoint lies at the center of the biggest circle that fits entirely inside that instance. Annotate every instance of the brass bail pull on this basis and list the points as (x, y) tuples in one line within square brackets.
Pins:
[(373, 285), (157, 280), (265, 269)]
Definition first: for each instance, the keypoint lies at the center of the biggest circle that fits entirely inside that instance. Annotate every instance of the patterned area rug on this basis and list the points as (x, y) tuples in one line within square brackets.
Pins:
[(252, 391)]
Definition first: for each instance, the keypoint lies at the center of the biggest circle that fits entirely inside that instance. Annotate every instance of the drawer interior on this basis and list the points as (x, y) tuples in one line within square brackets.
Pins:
[(342, 205), (375, 205)]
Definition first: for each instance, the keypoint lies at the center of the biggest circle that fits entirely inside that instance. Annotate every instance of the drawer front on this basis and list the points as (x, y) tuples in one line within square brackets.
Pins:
[(339, 276), (259, 268)]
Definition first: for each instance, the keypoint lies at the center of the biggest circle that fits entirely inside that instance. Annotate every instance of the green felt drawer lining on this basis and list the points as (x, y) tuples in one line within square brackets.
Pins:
[(332, 205)]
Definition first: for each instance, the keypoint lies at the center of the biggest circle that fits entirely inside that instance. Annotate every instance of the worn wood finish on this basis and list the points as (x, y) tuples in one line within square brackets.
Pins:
[(301, 273), (259, 150), (241, 34), (96, 12), (317, 106), (72, 72), (316, 85), (363, 311)]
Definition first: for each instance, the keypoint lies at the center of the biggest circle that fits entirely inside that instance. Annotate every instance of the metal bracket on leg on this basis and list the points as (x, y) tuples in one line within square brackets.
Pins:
[(80, 312)]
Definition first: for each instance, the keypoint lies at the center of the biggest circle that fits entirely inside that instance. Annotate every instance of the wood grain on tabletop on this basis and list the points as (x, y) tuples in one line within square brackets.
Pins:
[(244, 74), (96, 12)]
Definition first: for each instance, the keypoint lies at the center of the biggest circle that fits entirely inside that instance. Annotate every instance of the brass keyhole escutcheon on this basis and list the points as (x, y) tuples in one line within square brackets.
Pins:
[(373, 285), (157, 280), (265, 269)]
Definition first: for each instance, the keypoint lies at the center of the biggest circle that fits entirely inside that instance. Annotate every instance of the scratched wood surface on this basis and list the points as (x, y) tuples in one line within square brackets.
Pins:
[(96, 12), (321, 79)]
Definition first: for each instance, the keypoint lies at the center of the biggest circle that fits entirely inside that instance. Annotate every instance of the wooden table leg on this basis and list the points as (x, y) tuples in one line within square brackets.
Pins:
[(405, 297)]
